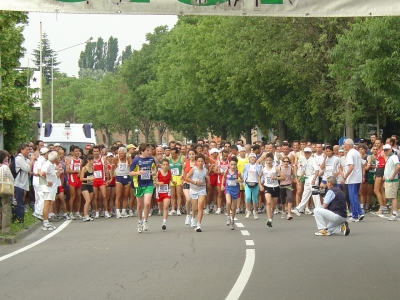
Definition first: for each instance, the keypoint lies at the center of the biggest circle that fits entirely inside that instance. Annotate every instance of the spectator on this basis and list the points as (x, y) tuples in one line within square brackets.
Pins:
[(5, 200)]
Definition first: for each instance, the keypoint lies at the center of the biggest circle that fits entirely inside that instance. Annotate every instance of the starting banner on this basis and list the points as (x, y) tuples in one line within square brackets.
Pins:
[(280, 8)]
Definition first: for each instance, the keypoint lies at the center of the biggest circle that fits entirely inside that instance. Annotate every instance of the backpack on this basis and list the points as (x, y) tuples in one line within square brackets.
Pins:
[(13, 168)]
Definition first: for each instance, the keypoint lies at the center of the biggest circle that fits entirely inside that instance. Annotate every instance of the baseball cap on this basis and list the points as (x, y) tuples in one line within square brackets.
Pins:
[(57, 145), (44, 150), (88, 145), (307, 149), (362, 141), (131, 146), (109, 154), (241, 149), (214, 150), (341, 149), (252, 155), (385, 147)]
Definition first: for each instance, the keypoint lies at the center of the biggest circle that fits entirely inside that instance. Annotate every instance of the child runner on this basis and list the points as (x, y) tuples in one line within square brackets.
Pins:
[(230, 183), (220, 169), (271, 176), (87, 186), (189, 164), (142, 169), (163, 190), (198, 192)]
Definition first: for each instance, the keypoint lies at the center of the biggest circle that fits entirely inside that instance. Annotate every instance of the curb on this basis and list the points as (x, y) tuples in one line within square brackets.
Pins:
[(20, 235)]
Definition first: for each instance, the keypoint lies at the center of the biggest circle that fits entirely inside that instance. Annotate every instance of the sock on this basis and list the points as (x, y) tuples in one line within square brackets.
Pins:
[(362, 205), (198, 223), (45, 222), (394, 213), (164, 220), (123, 210)]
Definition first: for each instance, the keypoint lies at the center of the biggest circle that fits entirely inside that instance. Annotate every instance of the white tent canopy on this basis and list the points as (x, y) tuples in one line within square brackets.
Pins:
[(283, 8)]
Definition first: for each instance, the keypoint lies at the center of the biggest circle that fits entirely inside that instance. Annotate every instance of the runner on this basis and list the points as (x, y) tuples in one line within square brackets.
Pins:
[(120, 167), (99, 183), (73, 167), (220, 169), (371, 169), (242, 161), (175, 164), (87, 185), (197, 178), (212, 190), (231, 186), (271, 175), (252, 183), (378, 185), (189, 165), (142, 169), (299, 167), (39, 184), (392, 169), (163, 190), (110, 187), (286, 188), (60, 198)]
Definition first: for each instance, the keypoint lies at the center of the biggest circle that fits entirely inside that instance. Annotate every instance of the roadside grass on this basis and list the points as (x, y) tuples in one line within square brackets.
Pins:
[(17, 226)]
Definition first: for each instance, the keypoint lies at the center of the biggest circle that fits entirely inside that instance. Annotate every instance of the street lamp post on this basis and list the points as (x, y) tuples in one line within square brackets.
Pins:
[(52, 78), (137, 136)]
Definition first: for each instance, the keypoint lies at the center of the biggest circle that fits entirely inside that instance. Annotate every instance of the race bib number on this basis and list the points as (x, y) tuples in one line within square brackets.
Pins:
[(231, 182), (98, 174), (77, 168), (122, 167), (175, 172), (270, 180), (146, 176), (164, 189), (223, 169)]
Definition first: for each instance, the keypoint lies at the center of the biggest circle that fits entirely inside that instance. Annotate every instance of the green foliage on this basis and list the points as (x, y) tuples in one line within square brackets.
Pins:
[(47, 53), (15, 103)]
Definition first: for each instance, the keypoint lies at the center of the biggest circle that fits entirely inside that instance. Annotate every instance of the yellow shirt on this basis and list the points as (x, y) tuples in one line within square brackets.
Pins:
[(241, 163)]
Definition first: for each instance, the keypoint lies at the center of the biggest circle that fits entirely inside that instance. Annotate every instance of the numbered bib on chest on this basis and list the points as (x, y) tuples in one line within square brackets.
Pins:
[(98, 174), (270, 180), (175, 172), (122, 167), (231, 183), (164, 189), (146, 176), (77, 167)]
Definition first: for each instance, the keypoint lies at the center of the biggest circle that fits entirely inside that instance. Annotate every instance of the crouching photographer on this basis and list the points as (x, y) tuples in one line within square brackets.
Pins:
[(334, 211)]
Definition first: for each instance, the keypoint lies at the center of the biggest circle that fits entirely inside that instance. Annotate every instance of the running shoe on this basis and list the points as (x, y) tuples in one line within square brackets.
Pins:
[(385, 211), (178, 212), (296, 211), (308, 211), (150, 212), (164, 225), (351, 219), (71, 215), (198, 228), (248, 214), (135, 213), (237, 211), (394, 218), (124, 214), (66, 217), (283, 216), (118, 214), (228, 221), (86, 219), (145, 226), (259, 210), (193, 222), (276, 211), (49, 227), (130, 213), (107, 215), (218, 212), (289, 217), (255, 214), (323, 232), (97, 215), (232, 225), (37, 216), (140, 228), (361, 217), (269, 223), (172, 212), (160, 212), (345, 228), (187, 220)]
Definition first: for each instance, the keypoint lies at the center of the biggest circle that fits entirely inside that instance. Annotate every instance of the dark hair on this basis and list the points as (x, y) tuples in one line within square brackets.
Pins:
[(285, 144), (303, 141), (200, 156), (175, 149), (86, 159), (270, 155), (233, 158), (165, 160), (143, 147), (73, 147), (226, 142), (199, 145), (256, 147), (97, 147), (234, 147), (225, 151), (22, 146), (329, 147), (113, 148), (38, 141), (3, 155)]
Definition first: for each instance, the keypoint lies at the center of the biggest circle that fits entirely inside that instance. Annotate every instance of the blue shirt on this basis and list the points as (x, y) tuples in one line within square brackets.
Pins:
[(146, 164)]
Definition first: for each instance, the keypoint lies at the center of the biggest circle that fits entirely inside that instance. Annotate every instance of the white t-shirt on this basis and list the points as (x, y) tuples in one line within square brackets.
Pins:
[(49, 169), (311, 167), (331, 166), (353, 157), (38, 166), (319, 159), (252, 174)]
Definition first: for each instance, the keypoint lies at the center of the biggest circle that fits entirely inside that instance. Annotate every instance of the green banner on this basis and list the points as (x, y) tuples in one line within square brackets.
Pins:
[(203, 2), (71, 1), (271, 1), (140, 1)]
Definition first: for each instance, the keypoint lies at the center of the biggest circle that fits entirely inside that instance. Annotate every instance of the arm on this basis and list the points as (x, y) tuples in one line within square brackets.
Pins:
[(259, 181), (82, 176), (395, 172), (351, 168), (280, 176), (262, 157), (68, 167), (188, 179), (223, 181)]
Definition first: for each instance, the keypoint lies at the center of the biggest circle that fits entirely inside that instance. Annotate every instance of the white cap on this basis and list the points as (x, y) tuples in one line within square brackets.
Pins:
[(387, 147), (240, 148), (109, 154), (214, 150), (307, 149), (252, 155), (44, 150), (57, 145)]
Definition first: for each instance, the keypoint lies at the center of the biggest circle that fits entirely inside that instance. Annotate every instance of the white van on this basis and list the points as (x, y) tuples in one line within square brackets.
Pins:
[(67, 134)]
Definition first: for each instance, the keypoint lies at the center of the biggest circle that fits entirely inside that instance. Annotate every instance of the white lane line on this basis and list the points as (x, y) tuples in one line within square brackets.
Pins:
[(45, 238), (244, 232), (239, 225), (235, 218), (244, 276), (249, 243)]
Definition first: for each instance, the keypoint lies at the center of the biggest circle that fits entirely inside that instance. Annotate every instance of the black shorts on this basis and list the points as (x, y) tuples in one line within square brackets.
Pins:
[(274, 191), (379, 172), (87, 187), (186, 186)]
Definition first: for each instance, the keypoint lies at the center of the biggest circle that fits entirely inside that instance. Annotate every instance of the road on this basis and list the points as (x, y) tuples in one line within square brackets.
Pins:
[(108, 259)]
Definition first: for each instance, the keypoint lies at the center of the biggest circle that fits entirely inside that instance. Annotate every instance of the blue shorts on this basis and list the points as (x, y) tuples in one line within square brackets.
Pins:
[(124, 180)]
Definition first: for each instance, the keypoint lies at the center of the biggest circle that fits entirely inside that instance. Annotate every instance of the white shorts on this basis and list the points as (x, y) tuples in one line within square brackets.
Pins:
[(49, 196)]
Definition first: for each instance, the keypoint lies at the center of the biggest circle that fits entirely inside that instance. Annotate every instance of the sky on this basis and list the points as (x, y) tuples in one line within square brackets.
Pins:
[(66, 30)]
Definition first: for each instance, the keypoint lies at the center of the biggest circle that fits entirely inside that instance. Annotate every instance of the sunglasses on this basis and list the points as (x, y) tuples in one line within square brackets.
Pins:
[(286, 161)]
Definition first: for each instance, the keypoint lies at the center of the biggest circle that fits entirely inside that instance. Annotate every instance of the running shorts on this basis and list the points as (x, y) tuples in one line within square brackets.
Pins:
[(124, 180), (98, 183), (76, 184), (141, 191), (162, 197), (177, 179), (274, 191)]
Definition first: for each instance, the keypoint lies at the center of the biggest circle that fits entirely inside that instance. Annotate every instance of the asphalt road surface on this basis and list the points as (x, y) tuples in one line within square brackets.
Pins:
[(108, 259)]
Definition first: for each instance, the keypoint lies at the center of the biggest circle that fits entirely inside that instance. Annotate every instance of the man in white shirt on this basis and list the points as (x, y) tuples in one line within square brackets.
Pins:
[(38, 182), (311, 171), (49, 190), (391, 177), (353, 178)]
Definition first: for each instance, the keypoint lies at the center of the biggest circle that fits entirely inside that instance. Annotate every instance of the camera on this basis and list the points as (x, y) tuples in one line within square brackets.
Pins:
[(316, 190)]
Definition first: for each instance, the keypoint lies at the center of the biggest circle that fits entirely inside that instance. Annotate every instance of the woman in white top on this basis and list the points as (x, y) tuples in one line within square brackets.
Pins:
[(5, 208), (271, 175)]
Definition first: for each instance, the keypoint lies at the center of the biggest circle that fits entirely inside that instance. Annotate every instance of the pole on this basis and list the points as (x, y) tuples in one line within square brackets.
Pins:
[(52, 95), (41, 75)]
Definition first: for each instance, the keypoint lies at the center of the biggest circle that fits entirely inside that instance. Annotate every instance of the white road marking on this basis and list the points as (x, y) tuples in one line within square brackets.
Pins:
[(239, 225), (244, 276), (235, 218), (249, 243), (45, 238), (244, 232)]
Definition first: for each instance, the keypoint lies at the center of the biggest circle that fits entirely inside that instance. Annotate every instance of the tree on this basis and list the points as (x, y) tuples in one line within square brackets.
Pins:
[(47, 54)]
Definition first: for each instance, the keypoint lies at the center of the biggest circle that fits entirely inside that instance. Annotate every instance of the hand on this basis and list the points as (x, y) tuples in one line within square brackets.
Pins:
[(173, 182), (342, 181), (222, 188), (261, 188), (142, 172), (49, 183)]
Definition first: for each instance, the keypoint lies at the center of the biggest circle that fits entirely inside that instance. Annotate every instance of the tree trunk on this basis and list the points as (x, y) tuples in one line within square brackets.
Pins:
[(348, 123), (248, 135), (127, 136), (378, 126), (282, 131), (224, 133)]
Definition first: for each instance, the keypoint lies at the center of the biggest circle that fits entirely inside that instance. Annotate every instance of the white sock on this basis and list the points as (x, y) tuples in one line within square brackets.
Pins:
[(123, 210), (164, 220), (45, 222), (362, 205)]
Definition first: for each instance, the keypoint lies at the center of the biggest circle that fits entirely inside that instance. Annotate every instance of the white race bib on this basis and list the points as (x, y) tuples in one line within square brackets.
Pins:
[(77, 168), (163, 188), (175, 172), (122, 167), (145, 176), (231, 182), (98, 174)]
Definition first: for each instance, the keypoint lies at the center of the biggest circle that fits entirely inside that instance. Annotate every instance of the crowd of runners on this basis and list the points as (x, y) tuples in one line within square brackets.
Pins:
[(206, 177)]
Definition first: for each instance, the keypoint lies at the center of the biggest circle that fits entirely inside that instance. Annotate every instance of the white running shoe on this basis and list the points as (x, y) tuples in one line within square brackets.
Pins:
[(187, 220), (124, 214), (107, 215), (118, 214), (207, 210), (135, 213), (140, 228), (71, 215), (296, 211), (308, 211), (160, 212), (218, 212), (97, 215), (150, 212), (248, 214), (131, 213), (172, 212), (66, 217), (276, 211), (255, 215), (228, 221), (178, 212), (48, 226), (164, 225), (145, 226), (394, 218), (198, 228), (193, 222), (86, 219), (237, 211)]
